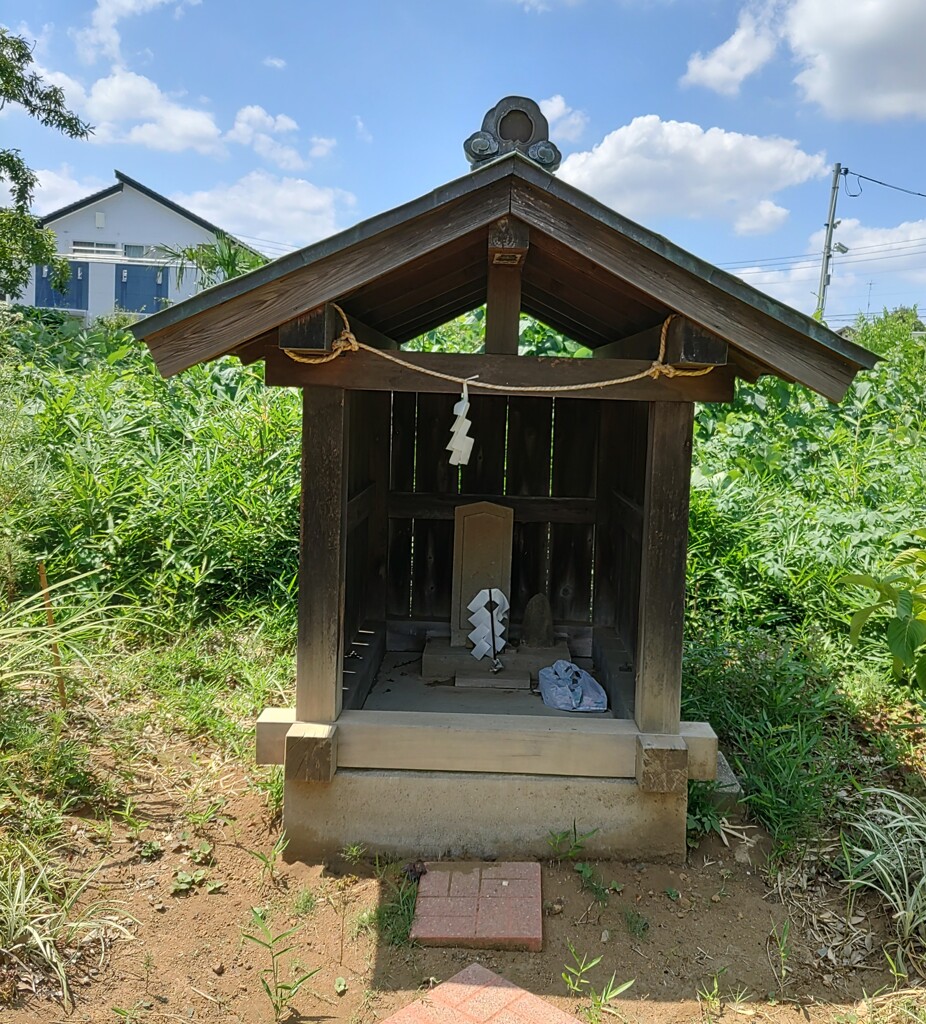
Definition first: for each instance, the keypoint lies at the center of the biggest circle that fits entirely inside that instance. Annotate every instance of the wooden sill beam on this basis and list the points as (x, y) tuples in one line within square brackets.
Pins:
[(317, 329), (367, 371), (687, 344), (512, 744)]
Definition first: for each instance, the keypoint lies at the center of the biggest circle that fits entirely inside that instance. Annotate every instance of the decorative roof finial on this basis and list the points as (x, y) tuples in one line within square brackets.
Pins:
[(515, 123)]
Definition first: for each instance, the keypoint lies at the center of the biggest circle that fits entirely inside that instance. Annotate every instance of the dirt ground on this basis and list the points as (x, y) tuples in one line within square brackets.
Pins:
[(709, 926)]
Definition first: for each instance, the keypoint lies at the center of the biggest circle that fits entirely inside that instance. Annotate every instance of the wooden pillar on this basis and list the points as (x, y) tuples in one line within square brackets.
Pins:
[(662, 578), (322, 551), (508, 243)]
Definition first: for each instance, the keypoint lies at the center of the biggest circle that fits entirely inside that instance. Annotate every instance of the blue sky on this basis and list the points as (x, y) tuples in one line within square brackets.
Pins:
[(715, 122)]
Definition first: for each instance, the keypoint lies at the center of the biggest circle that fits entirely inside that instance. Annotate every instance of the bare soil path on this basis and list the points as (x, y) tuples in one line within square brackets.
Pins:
[(710, 926)]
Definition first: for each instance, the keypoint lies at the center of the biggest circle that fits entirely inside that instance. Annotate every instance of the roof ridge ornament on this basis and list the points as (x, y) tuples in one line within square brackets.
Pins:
[(514, 124)]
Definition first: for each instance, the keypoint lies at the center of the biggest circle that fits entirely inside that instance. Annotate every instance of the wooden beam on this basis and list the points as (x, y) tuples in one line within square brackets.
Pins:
[(358, 508), (365, 655), (372, 737), (370, 372), (254, 350), (318, 328), (322, 554), (247, 312), (657, 706), (519, 744), (509, 240), (417, 505), (763, 336), (687, 344)]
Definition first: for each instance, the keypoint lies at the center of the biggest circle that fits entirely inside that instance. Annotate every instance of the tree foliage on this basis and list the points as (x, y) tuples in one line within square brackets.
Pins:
[(23, 241), (216, 261)]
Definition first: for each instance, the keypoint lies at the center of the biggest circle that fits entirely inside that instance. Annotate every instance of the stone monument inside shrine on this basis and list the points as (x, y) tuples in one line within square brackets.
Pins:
[(482, 546)]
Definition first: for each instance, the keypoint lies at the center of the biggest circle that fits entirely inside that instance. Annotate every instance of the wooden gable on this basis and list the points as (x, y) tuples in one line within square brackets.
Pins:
[(588, 272)]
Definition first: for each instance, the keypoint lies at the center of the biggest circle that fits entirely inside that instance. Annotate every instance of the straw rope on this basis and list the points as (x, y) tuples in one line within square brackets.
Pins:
[(347, 342)]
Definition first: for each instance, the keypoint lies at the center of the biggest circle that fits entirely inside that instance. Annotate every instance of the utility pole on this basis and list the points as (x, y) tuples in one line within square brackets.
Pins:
[(828, 245)]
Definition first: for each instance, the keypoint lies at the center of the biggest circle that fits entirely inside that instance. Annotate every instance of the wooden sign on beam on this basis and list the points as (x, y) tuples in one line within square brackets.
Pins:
[(509, 240)]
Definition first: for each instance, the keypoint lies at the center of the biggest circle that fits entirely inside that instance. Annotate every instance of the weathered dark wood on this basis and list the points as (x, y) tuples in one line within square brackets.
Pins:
[(379, 406), (319, 328), (370, 372), (526, 509), (530, 431), (432, 567), (246, 313), (411, 634), (575, 470), (760, 335), (662, 582), (358, 507), (256, 349), (687, 344), (509, 240), (484, 474), (607, 567), (364, 657), (315, 329), (398, 578), (322, 555)]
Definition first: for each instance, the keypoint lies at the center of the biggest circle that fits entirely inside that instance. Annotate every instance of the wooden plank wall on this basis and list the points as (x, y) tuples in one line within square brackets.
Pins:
[(564, 452), (619, 523), (366, 557)]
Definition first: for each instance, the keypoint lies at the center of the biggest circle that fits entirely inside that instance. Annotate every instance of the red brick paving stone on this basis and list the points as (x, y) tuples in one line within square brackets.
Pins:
[(444, 931), (477, 996), (434, 882), (512, 869), (464, 883), (511, 924), (508, 910), (446, 906), (462, 985), (510, 888)]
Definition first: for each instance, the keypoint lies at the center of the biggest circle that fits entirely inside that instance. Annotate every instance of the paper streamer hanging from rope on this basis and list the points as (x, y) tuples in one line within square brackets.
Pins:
[(490, 609), (461, 444)]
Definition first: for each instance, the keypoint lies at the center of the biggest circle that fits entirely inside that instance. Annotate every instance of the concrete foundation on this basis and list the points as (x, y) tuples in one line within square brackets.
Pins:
[(437, 814)]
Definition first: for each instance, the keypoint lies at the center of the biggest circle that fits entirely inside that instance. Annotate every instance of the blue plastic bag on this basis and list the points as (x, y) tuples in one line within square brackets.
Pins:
[(567, 687)]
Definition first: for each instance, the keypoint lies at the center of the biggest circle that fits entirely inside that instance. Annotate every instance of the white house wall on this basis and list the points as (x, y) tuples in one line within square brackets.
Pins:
[(130, 218)]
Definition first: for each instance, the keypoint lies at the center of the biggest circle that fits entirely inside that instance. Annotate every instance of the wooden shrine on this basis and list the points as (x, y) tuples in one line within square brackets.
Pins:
[(590, 458)]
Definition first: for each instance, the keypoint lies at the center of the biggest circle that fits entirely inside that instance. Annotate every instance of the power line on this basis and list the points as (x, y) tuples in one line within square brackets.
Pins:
[(864, 177)]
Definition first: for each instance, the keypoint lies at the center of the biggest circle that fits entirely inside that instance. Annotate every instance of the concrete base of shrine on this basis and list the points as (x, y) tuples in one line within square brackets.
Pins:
[(418, 814)]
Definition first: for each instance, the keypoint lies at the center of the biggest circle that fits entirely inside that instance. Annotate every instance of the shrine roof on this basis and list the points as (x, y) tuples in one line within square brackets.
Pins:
[(590, 273)]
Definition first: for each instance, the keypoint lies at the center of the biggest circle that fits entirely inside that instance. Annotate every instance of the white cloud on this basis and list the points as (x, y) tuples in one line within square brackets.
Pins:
[(566, 124), (160, 121), (762, 219), (879, 258), (102, 38), (291, 211), (254, 127), (321, 146), (57, 188), (751, 46), (655, 168), (361, 129), (864, 60), (861, 59), (277, 63)]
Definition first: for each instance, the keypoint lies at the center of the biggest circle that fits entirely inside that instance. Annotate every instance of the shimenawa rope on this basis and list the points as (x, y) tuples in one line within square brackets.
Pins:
[(347, 342)]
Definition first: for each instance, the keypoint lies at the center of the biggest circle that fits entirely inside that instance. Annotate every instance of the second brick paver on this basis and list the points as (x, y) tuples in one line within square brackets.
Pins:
[(477, 996), (490, 905)]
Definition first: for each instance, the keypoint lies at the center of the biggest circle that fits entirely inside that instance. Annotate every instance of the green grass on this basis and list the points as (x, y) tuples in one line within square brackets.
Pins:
[(181, 497)]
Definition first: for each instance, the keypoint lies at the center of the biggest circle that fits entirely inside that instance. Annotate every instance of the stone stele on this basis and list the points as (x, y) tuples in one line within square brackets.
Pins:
[(481, 559)]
